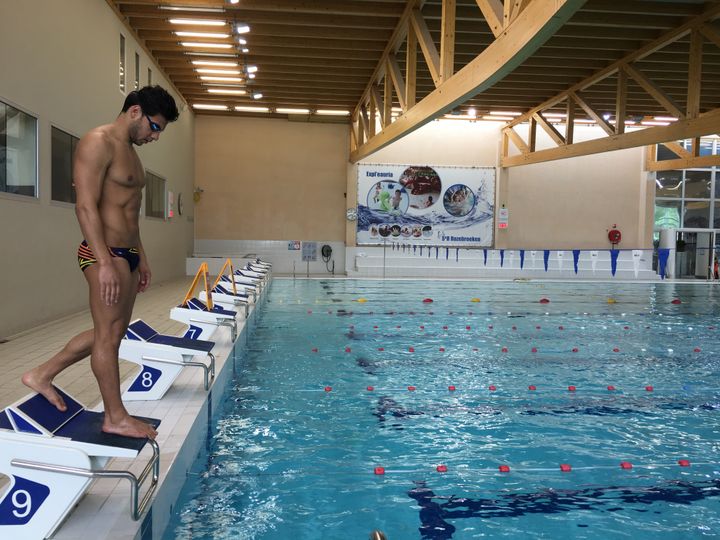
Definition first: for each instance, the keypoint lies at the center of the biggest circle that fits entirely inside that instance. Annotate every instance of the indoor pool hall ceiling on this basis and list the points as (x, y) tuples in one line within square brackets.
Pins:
[(634, 59)]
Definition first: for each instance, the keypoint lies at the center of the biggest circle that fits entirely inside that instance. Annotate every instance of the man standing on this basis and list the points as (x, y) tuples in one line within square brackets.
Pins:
[(109, 178)]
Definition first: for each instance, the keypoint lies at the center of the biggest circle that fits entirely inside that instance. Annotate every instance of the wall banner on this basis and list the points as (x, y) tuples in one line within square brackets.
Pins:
[(425, 205)]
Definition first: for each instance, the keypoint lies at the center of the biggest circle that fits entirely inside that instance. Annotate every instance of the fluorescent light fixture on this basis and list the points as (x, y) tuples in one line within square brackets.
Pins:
[(606, 116), (397, 109), (332, 112), (214, 63), (196, 9), (257, 95), (251, 69), (584, 121), (285, 110), (472, 112), (244, 108), (224, 84), (241, 41), (459, 117), (227, 91), (654, 123), (220, 79), (251, 75), (209, 107), (212, 35), (197, 22), (497, 117), (506, 113), (233, 1), (241, 28), (211, 54), (665, 118), (218, 71), (554, 115), (206, 45), (245, 50)]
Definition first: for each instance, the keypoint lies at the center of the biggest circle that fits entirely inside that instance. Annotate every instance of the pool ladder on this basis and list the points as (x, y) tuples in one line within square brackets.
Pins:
[(377, 535)]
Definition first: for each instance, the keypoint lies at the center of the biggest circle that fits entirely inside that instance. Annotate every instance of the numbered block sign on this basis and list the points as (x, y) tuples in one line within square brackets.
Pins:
[(22, 501), (193, 332), (145, 380)]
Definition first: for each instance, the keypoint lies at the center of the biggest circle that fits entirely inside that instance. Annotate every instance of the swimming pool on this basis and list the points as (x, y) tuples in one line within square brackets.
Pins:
[(360, 405)]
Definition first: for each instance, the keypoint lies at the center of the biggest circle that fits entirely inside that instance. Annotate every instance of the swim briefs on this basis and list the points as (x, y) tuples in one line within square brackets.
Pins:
[(87, 258)]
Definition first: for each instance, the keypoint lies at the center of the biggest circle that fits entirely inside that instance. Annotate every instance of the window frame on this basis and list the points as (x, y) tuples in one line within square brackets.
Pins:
[(18, 196), (72, 159), (146, 202)]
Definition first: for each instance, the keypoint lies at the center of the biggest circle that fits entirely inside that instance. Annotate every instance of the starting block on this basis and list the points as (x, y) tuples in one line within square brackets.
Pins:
[(203, 319), (162, 358), (246, 287), (228, 297), (52, 456)]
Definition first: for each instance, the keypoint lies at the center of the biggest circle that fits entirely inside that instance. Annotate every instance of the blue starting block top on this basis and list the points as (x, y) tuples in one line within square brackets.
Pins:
[(76, 423), (222, 290), (196, 304), (141, 331)]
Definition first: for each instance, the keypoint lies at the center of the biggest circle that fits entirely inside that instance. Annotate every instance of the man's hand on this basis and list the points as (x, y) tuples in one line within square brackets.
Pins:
[(109, 283), (144, 281)]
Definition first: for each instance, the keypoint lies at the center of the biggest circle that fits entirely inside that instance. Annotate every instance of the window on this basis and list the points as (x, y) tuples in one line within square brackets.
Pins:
[(63, 151), (18, 151), (122, 63), (137, 72), (155, 199), (149, 83), (688, 198)]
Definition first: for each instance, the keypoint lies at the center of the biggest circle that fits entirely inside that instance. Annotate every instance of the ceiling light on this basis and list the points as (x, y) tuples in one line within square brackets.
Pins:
[(241, 28), (243, 108), (228, 91), (332, 112), (472, 111), (197, 9), (554, 115), (233, 1), (211, 35), (198, 22), (497, 117), (251, 75), (666, 118), (224, 84), (245, 50), (584, 121), (209, 107), (241, 41), (212, 54), (284, 110), (219, 71), (251, 69), (654, 123), (206, 45), (505, 113), (257, 95), (214, 63), (459, 117), (221, 79)]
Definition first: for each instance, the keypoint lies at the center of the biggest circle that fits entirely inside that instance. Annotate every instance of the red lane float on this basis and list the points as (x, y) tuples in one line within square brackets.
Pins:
[(544, 301), (504, 468), (565, 467), (571, 388), (451, 388), (328, 388), (379, 470), (441, 468), (315, 349), (411, 388), (676, 301), (683, 462), (625, 465), (370, 388), (427, 301), (532, 387), (492, 387)]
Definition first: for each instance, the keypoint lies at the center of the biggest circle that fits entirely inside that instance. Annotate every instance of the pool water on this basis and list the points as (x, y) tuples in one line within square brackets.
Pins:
[(341, 377)]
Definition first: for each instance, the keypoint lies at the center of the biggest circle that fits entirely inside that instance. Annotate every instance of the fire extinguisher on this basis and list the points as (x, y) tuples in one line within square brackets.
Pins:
[(614, 235)]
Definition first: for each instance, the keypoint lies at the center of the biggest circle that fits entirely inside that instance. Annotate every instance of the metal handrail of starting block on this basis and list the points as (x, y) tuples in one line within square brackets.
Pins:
[(136, 510)]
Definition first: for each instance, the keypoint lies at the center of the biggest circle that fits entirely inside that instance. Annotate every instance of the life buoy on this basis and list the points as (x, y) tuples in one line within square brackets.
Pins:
[(614, 236)]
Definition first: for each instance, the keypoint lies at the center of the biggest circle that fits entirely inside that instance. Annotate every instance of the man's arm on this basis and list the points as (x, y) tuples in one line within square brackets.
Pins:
[(144, 269), (93, 156)]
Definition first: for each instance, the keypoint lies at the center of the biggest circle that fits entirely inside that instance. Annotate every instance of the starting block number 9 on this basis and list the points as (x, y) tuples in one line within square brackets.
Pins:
[(145, 380), (17, 507)]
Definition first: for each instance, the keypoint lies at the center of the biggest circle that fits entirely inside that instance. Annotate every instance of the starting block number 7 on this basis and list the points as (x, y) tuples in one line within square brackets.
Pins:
[(23, 500)]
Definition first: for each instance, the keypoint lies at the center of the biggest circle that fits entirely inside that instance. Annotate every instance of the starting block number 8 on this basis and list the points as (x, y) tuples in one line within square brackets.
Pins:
[(145, 380), (23, 500)]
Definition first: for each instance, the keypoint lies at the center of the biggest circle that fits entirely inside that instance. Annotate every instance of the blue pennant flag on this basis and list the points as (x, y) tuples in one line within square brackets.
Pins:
[(437, 250), (502, 257), (414, 250), (429, 250), (613, 260), (576, 256), (546, 256), (457, 254), (663, 255), (485, 257), (421, 251), (447, 253), (522, 258)]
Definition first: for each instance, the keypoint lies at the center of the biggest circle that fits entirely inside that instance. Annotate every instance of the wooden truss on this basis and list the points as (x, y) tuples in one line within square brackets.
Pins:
[(520, 27)]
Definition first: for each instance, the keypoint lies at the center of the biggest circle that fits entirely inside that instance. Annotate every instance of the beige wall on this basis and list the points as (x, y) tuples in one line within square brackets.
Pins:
[(270, 179), (564, 204), (60, 64)]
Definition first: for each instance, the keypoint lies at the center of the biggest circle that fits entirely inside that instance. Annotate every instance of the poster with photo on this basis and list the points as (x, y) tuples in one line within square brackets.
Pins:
[(423, 204)]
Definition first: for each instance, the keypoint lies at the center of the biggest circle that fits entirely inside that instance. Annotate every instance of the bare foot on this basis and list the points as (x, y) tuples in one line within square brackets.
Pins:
[(129, 427), (34, 380)]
